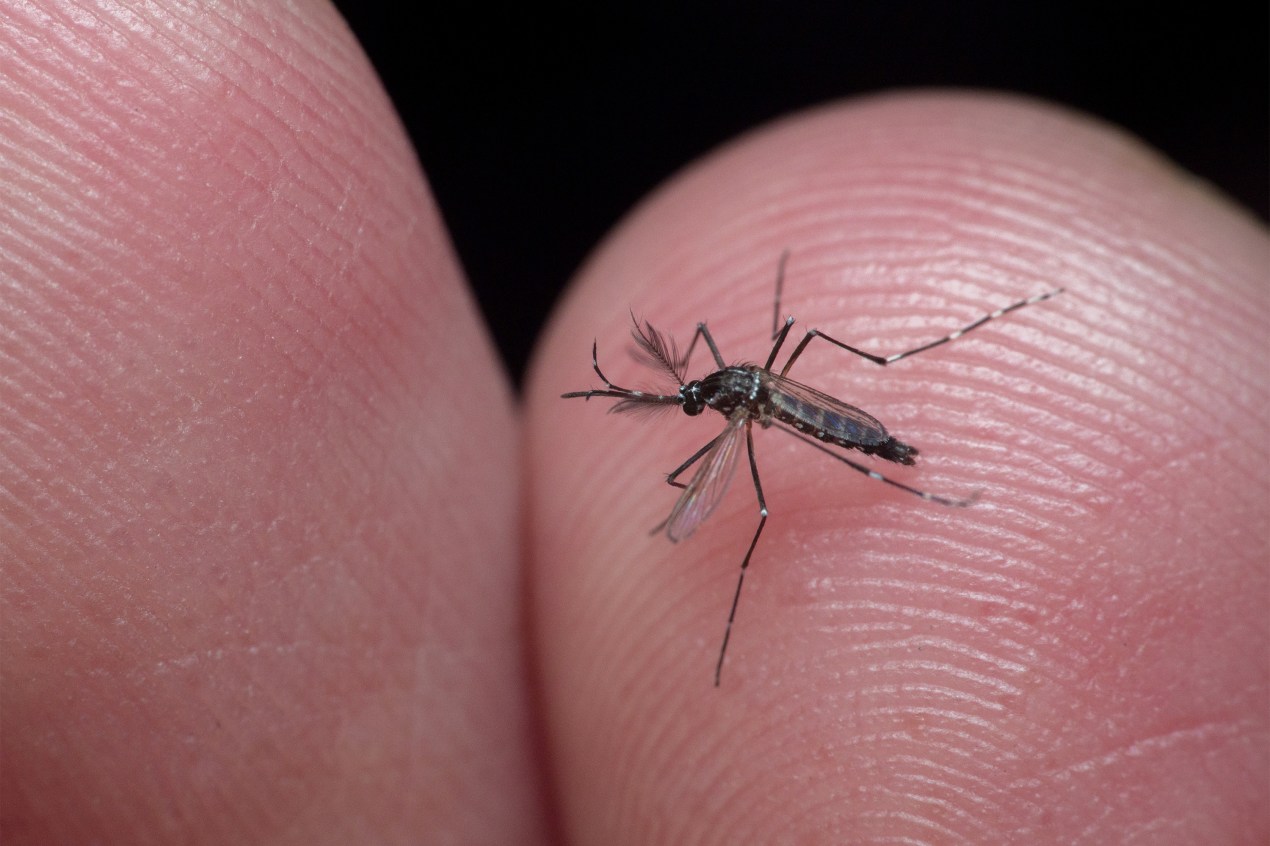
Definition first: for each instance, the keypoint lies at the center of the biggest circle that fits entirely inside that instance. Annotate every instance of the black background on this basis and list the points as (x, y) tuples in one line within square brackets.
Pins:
[(538, 128)]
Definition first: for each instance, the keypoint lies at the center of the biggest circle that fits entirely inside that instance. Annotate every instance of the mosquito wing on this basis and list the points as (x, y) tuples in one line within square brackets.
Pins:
[(793, 403), (709, 483)]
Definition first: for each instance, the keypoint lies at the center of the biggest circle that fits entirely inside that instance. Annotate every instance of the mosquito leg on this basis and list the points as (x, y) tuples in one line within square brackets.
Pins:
[(704, 332), (696, 456), (674, 475), (952, 336), (595, 365), (780, 286), (873, 474), (762, 520), (779, 338), (779, 333), (617, 391)]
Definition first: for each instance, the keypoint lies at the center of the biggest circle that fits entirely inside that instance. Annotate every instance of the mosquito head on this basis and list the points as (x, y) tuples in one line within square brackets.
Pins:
[(690, 398)]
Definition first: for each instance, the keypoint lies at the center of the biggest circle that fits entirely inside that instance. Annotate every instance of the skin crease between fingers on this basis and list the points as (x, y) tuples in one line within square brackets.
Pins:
[(1080, 657), (258, 530)]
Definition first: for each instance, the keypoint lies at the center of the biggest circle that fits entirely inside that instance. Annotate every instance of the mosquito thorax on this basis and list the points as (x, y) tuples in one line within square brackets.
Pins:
[(730, 388)]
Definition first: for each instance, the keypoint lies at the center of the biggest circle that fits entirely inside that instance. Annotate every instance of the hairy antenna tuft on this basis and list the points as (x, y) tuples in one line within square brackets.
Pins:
[(659, 352)]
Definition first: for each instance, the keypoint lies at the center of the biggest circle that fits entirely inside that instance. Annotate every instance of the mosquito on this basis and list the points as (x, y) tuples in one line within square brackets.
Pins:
[(746, 394)]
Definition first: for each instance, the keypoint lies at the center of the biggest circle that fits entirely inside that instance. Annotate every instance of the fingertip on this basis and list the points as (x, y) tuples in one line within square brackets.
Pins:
[(262, 497), (876, 628)]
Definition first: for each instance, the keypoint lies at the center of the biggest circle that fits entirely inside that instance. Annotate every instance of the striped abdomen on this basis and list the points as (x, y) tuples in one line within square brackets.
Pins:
[(830, 420)]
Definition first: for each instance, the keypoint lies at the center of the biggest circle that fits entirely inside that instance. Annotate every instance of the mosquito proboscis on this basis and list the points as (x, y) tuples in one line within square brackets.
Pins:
[(746, 394)]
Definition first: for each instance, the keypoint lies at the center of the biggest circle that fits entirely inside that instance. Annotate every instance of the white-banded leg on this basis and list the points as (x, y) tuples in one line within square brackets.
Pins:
[(890, 359), (762, 521), (875, 475), (617, 391)]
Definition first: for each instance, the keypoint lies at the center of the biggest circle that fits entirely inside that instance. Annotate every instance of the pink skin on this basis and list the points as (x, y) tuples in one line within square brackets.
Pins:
[(1079, 657), (257, 499), (258, 524)]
